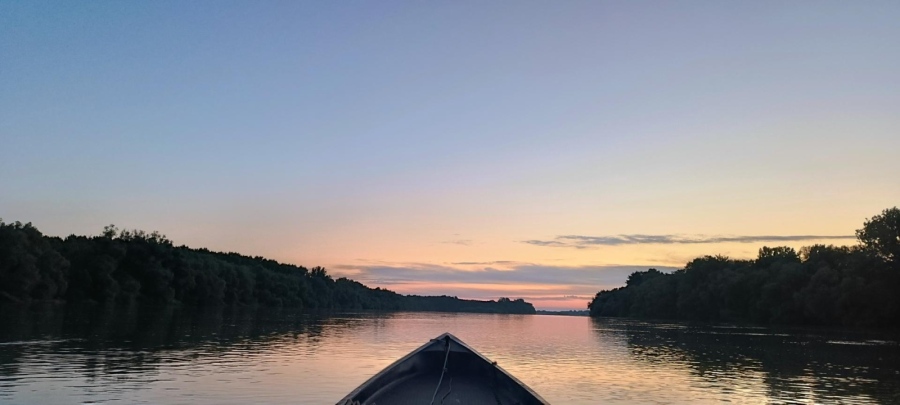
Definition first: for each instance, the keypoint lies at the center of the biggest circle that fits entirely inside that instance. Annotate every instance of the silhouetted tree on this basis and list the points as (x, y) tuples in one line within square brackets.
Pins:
[(824, 285), (881, 235)]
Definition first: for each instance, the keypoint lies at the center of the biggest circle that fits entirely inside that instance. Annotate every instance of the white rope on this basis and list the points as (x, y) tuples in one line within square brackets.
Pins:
[(446, 356), (449, 389)]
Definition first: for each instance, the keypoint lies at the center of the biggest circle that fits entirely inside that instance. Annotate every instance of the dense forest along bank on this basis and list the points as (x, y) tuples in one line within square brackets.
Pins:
[(127, 267), (819, 285)]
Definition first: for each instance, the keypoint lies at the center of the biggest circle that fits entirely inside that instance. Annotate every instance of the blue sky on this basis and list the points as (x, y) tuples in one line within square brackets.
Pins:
[(415, 135)]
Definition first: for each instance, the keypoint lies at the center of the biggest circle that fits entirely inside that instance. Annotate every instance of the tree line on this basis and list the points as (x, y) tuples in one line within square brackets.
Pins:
[(123, 267), (819, 285)]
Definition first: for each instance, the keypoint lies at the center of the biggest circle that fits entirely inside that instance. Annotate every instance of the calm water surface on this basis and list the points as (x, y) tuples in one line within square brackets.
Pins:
[(172, 356)]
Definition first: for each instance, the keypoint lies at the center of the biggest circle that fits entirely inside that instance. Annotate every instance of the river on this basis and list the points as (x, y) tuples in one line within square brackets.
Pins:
[(278, 357)]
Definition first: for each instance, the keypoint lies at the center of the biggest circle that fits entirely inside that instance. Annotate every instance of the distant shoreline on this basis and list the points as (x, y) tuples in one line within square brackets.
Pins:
[(571, 312)]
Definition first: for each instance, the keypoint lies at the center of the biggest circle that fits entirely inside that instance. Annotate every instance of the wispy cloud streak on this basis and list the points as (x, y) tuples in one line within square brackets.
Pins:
[(520, 274), (491, 263), (584, 242), (463, 242)]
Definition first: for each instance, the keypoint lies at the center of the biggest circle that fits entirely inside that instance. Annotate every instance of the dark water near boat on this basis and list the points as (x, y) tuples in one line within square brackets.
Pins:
[(172, 356)]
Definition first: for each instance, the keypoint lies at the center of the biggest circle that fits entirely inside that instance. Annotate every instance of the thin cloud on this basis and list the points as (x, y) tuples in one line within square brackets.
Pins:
[(533, 274), (585, 242), (463, 242), (551, 243), (493, 263)]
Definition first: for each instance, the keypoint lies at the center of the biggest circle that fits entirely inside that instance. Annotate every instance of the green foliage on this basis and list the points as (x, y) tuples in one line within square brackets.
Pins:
[(29, 266), (881, 235), (770, 255), (820, 285), (639, 277), (135, 266)]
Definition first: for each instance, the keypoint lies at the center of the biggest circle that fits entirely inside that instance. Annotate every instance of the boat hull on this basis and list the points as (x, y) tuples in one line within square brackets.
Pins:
[(420, 377)]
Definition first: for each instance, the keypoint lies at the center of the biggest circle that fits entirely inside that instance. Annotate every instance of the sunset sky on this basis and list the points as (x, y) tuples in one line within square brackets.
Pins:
[(534, 149)]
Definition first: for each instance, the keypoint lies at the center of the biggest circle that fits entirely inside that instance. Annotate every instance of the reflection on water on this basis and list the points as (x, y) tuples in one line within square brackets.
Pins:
[(783, 365), (228, 356)]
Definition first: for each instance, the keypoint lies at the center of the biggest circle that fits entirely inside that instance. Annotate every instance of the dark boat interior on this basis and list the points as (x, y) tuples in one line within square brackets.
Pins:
[(417, 379)]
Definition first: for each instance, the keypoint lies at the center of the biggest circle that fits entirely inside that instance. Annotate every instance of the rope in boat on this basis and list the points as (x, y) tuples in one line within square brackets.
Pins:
[(446, 356), (449, 388)]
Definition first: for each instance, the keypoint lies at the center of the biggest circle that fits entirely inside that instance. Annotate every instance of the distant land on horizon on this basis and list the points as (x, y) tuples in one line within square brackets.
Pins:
[(571, 312)]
